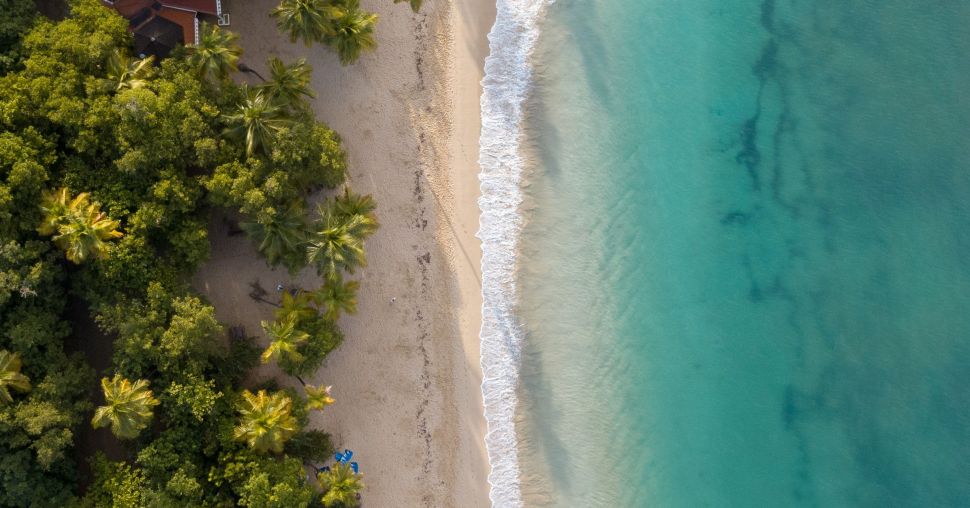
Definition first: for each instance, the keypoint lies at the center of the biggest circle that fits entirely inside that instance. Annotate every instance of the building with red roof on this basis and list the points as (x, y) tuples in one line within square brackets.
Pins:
[(160, 25)]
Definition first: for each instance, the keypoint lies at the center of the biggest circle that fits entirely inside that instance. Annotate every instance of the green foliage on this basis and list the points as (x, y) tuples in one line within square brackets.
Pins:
[(266, 421), (267, 489), (36, 433), (324, 337), (310, 446), (319, 335), (298, 305), (151, 146), (117, 485), (337, 296), (126, 72), (217, 53), (11, 379), (263, 481), (340, 486), (289, 84), (351, 31), (281, 236), (306, 20), (16, 17), (191, 400), (318, 397), (337, 241), (256, 122), (76, 225), (284, 340), (340, 24), (305, 156), (311, 156), (164, 334), (24, 158), (83, 41), (129, 407)]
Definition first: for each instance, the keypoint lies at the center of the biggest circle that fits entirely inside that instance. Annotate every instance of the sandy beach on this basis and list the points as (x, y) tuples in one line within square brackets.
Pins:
[(407, 377)]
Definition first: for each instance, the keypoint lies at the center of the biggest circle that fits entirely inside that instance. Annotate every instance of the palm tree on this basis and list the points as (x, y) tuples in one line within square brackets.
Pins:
[(256, 121), (10, 376), (129, 408), (350, 204), (78, 226), (265, 421), (297, 305), (318, 397), (307, 20), (336, 296), (281, 235), (126, 72), (351, 31), (341, 486), (289, 84), (285, 339), (217, 53), (337, 243)]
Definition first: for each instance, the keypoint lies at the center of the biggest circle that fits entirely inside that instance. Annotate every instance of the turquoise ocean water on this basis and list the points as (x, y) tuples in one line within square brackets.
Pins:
[(743, 268)]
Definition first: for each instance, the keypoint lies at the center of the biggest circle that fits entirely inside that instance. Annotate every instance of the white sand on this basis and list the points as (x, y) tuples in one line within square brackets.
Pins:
[(407, 378)]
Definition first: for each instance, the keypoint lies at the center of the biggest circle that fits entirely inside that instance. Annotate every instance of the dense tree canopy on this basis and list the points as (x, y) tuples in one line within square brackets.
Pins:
[(110, 169)]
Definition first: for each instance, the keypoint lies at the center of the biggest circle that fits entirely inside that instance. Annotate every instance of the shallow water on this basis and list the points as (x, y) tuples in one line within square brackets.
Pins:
[(743, 279)]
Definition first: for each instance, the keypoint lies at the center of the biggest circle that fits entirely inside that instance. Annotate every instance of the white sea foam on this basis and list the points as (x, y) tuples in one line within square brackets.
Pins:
[(508, 78)]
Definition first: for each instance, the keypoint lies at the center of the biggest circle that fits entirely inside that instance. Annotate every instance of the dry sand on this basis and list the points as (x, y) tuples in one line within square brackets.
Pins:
[(407, 377)]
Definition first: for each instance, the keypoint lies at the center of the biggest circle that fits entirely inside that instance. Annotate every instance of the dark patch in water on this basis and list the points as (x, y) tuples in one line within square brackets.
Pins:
[(768, 15), (735, 218), (767, 63), (788, 409), (749, 155)]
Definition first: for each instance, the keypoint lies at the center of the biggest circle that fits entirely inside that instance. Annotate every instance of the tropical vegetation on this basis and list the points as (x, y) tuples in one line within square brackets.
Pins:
[(11, 379), (129, 407), (111, 170), (265, 421), (340, 24), (341, 486)]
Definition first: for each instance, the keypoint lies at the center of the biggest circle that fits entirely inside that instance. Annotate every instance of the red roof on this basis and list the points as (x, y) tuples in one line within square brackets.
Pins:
[(129, 8), (183, 12), (202, 6), (183, 18)]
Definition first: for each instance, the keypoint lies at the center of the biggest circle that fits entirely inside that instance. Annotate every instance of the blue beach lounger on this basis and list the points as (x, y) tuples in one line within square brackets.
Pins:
[(353, 465), (339, 457)]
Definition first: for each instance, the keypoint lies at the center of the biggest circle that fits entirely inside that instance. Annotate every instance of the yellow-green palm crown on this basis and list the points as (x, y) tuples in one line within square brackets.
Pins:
[(299, 305), (318, 397), (351, 32), (256, 121), (340, 485), (78, 226), (126, 72), (217, 53), (337, 243), (10, 376), (285, 339), (265, 422), (129, 406), (336, 296), (307, 20)]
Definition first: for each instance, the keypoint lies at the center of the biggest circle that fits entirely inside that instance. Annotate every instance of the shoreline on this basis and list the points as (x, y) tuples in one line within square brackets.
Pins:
[(407, 378)]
